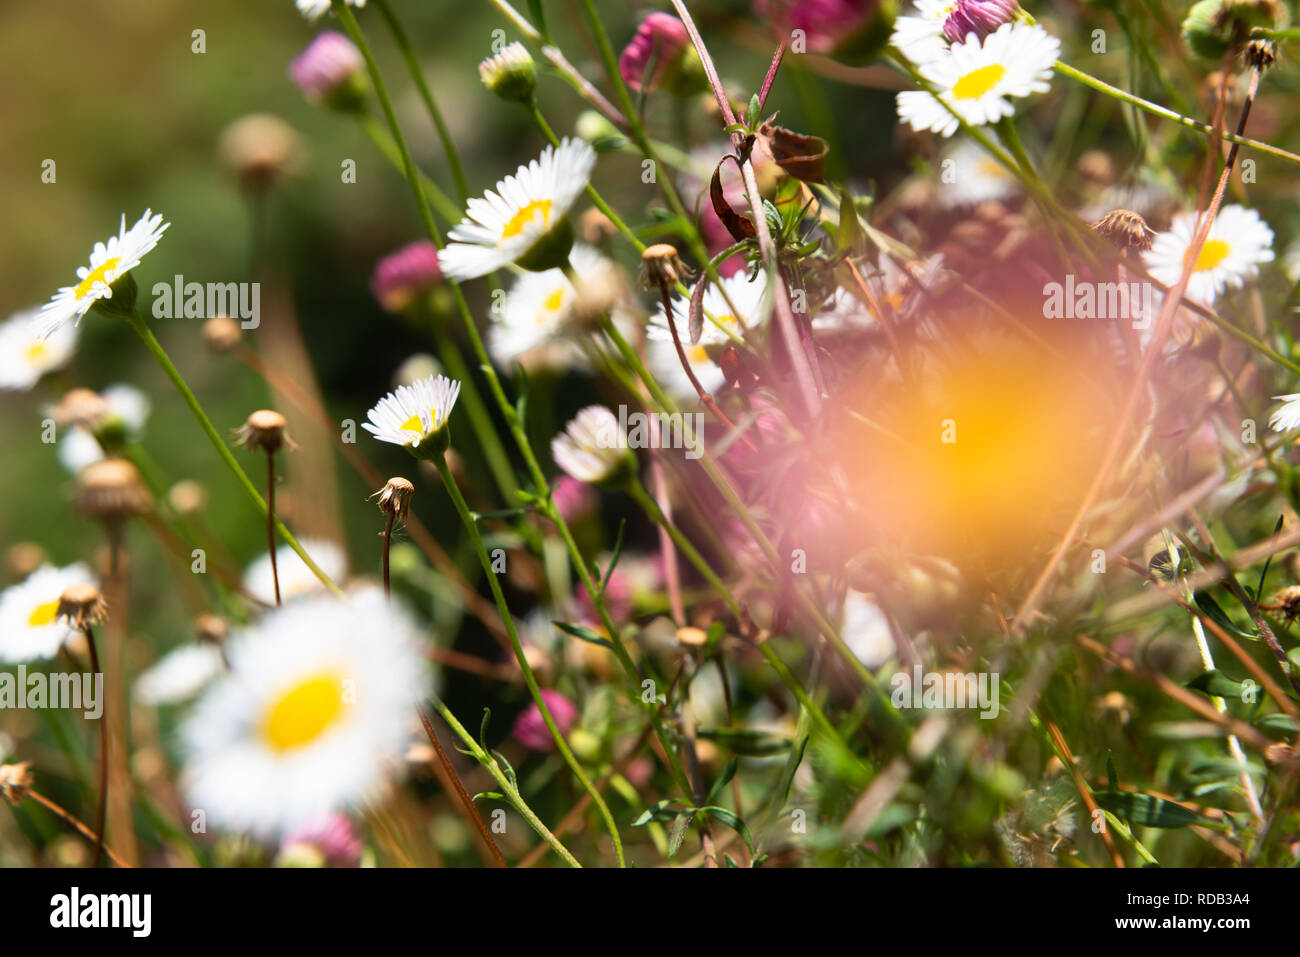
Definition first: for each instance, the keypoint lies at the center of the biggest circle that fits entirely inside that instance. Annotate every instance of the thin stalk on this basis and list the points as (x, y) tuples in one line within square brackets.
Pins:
[(466, 802), (471, 528), (270, 521), (388, 541), (101, 811), (155, 348)]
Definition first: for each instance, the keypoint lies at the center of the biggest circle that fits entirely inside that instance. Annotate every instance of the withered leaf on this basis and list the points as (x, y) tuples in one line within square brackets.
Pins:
[(696, 312), (800, 155), (739, 226)]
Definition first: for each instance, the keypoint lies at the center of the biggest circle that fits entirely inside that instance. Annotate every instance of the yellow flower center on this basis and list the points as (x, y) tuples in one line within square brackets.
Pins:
[(304, 712), (977, 83), (539, 210), (97, 276), (35, 350), (697, 354), (413, 424), (43, 614), (554, 301), (1212, 253)]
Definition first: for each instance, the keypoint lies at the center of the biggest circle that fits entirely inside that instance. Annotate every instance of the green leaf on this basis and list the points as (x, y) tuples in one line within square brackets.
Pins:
[(659, 812), (747, 741), (496, 795), (1278, 722), (1217, 685), (677, 831), (727, 774), (1259, 589), (1145, 809), (584, 634), (1214, 611), (732, 821), (849, 233), (1111, 778), (736, 128), (613, 559)]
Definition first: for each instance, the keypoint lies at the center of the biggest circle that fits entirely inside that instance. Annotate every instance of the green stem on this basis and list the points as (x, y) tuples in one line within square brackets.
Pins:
[(467, 518), (508, 789), (155, 347), (413, 64)]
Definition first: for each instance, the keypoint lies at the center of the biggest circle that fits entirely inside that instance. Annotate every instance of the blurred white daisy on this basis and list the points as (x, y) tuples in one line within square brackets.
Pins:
[(25, 356), (968, 176), (539, 307), (593, 446), (1287, 417), (296, 579), (109, 262), (180, 674), (410, 414), (124, 403), (919, 35), (716, 334), (865, 629), (977, 80), (1239, 241), (315, 9), (313, 715), (28, 629), (523, 220)]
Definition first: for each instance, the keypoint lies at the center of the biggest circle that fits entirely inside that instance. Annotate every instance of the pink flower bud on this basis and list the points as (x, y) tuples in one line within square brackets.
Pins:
[(332, 836), (824, 25), (980, 17), (403, 275), (660, 39), (530, 727), (331, 68)]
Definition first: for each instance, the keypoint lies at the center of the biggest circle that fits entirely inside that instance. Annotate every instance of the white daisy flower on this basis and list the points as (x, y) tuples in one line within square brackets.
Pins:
[(919, 36), (539, 306), (1288, 416), (412, 413), (865, 630), (593, 446), (1239, 241), (313, 715), (125, 403), (661, 352), (25, 356), (315, 9), (180, 674), (976, 80), (28, 629), (523, 221), (109, 262), (968, 176), (296, 579)]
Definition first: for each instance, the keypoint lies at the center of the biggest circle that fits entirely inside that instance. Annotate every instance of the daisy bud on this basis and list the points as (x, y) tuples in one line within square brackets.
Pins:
[(851, 28), (111, 491), (1212, 27), (422, 365), (80, 606), (406, 274), (15, 779), (1126, 230), (265, 431), (575, 500), (331, 71), (211, 629), (656, 55), (530, 727), (980, 17), (395, 498), (661, 266), (221, 334), (510, 74), (593, 448)]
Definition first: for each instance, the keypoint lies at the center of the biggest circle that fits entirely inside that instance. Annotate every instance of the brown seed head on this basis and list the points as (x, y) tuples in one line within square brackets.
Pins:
[(1126, 230), (80, 407), (1261, 54), (264, 431), (595, 227), (221, 334), (24, 558), (211, 629), (661, 266), (81, 605), (15, 779), (111, 490), (187, 497), (395, 498)]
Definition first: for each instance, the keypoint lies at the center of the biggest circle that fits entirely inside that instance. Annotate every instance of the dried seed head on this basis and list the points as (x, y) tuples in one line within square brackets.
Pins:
[(110, 490), (221, 334), (1261, 54), (211, 629), (661, 266), (395, 498), (24, 558), (1097, 167), (1282, 754), (1287, 601), (258, 148), (595, 227), (1125, 229), (15, 779), (80, 407), (692, 637), (81, 605), (264, 431)]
